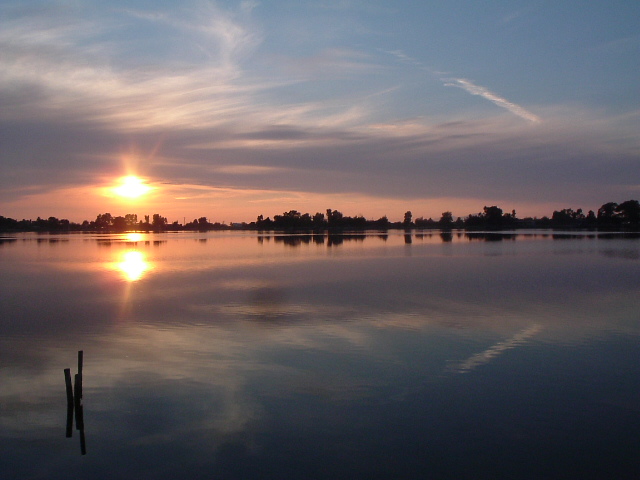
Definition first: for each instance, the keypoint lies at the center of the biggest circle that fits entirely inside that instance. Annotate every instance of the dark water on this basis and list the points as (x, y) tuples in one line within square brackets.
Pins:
[(273, 357)]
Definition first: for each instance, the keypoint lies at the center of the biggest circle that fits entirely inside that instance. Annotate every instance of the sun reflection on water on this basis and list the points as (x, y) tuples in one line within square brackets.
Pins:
[(133, 265), (133, 237)]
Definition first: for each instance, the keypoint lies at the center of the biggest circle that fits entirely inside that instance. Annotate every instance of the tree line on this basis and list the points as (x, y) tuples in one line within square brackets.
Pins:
[(610, 216)]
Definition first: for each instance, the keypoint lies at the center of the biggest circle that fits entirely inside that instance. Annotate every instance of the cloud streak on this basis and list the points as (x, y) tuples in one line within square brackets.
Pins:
[(468, 86), (483, 92), (221, 97), (497, 349)]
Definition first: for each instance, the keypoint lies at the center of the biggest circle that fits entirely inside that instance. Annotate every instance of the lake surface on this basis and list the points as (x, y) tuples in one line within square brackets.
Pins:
[(234, 356)]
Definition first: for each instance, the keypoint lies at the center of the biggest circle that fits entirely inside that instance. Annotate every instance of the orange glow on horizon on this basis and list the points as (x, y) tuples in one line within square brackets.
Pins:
[(185, 202)]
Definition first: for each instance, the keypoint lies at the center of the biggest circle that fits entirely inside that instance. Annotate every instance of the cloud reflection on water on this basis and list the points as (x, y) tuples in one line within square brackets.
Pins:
[(213, 355), (490, 353)]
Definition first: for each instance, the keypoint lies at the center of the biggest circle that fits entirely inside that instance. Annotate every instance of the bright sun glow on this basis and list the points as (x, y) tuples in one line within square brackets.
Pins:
[(133, 265), (133, 237), (132, 187)]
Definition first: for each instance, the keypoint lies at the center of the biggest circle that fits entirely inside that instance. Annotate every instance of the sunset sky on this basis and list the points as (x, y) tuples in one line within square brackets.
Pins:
[(230, 109)]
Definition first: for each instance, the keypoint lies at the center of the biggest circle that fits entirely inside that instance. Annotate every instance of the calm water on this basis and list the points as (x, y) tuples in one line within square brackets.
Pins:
[(243, 356)]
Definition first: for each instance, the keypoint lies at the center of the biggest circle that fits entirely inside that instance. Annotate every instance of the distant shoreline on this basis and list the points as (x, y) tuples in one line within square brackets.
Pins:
[(557, 230), (610, 216)]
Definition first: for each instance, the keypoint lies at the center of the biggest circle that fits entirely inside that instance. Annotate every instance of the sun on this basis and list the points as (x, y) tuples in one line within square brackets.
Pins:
[(132, 187)]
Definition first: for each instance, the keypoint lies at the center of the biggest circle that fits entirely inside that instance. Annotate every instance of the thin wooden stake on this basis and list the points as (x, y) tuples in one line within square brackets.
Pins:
[(67, 380)]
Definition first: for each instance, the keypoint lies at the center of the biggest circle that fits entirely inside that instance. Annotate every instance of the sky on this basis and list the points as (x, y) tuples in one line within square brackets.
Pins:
[(232, 109)]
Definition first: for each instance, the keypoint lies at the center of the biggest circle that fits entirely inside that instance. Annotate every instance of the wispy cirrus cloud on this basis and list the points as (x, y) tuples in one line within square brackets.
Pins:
[(474, 89), (194, 76), (224, 94), (468, 86)]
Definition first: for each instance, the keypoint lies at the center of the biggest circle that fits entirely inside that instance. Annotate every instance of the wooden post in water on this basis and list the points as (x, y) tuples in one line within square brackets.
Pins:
[(78, 394), (74, 402), (67, 380), (78, 405), (77, 401), (83, 445), (80, 361)]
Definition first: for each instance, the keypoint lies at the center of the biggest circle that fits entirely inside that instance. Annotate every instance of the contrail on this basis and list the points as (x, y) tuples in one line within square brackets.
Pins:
[(492, 97), (486, 356), (468, 87)]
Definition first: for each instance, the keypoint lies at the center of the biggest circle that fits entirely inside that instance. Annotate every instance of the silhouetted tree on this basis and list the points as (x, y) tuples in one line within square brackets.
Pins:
[(131, 220), (382, 223), (305, 220), (264, 224), (610, 215), (103, 221), (119, 224), (493, 216), (407, 218), (318, 220), (201, 224), (334, 218), (446, 220), (421, 222), (8, 224), (159, 222), (607, 212), (629, 212), (474, 220)]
